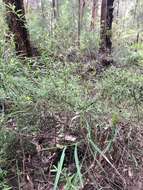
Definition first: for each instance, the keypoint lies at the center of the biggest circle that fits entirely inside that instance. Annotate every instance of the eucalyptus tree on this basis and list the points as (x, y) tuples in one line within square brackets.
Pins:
[(106, 30), (94, 14), (15, 17)]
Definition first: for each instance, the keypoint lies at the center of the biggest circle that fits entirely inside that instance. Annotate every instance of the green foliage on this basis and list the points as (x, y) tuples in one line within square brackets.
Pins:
[(51, 83), (90, 41), (57, 85), (78, 166), (3, 184), (128, 49), (135, 58), (59, 169), (121, 91), (119, 85), (48, 34)]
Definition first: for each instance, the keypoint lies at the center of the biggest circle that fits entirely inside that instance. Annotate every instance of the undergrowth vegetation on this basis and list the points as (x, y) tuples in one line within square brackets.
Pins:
[(57, 125)]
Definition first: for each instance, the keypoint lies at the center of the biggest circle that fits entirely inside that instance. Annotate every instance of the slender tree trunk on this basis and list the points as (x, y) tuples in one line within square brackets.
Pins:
[(135, 11), (26, 6), (42, 10), (79, 23), (57, 8), (136, 21), (103, 24), (109, 24), (106, 30), (118, 6), (54, 9), (16, 22), (93, 17), (81, 6)]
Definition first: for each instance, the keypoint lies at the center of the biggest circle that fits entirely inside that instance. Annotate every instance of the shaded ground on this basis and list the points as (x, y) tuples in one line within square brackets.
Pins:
[(109, 148), (125, 170)]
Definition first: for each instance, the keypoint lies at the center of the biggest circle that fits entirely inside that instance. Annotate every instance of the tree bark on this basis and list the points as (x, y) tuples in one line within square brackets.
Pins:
[(54, 9), (118, 6), (57, 7), (26, 6), (43, 10), (79, 23), (93, 17), (81, 6), (16, 22), (106, 30)]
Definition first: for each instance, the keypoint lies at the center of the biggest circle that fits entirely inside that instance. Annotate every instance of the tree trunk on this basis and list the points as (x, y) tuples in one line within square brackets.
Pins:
[(118, 6), (43, 10), (106, 30), (81, 6), (54, 9), (26, 6), (93, 17), (135, 11), (57, 8), (79, 23), (16, 22)]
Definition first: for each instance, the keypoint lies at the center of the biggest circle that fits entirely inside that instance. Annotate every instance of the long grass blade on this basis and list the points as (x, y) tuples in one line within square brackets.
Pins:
[(78, 165), (59, 170)]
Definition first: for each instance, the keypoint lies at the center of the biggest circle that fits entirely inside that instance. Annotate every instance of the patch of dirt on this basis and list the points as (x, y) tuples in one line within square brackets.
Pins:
[(119, 168)]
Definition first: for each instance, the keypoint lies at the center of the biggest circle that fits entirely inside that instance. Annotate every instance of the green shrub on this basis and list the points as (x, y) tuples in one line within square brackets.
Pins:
[(3, 183), (119, 85)]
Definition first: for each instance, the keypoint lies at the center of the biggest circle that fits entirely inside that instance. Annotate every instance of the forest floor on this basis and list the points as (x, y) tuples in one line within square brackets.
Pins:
[(115, 171), (91, 149)]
